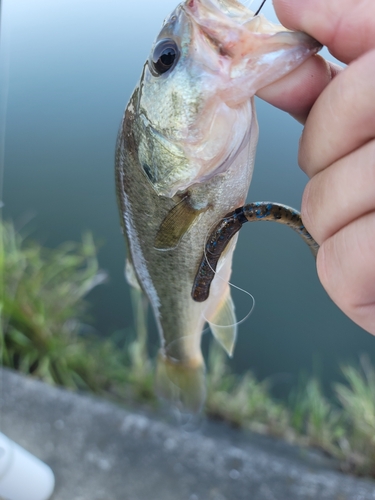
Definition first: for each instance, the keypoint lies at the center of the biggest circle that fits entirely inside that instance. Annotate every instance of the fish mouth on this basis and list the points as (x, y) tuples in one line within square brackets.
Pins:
[(230, 8), (250, 51)]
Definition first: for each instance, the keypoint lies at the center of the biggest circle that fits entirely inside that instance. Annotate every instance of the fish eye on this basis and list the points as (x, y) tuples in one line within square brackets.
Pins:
[(165, 56)]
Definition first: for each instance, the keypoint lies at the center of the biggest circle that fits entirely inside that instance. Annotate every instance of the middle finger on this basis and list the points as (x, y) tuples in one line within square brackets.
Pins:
[(340, 194), (342, 118)]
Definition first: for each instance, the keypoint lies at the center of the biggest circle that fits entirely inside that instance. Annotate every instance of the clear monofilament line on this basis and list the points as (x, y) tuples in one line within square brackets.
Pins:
[(260, 8), (232, 285)]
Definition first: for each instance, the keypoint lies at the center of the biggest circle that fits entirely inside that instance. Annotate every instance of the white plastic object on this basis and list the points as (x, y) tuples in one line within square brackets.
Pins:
[(23, 476)]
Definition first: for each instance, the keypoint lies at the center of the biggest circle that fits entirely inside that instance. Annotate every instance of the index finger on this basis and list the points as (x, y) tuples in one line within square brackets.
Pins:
[(296, 92), (346, 27)]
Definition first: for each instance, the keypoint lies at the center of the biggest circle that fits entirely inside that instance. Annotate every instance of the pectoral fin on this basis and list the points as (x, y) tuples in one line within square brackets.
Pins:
[(223, 325), (177, 222)]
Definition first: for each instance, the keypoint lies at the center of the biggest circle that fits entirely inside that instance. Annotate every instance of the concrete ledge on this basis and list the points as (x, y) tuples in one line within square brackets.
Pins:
[(99, 451)]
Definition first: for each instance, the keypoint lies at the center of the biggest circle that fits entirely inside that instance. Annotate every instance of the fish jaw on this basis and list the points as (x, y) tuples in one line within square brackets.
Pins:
[(253, 51)]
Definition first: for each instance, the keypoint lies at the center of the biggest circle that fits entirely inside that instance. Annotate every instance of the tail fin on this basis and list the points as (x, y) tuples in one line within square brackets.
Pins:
[(182, 384)]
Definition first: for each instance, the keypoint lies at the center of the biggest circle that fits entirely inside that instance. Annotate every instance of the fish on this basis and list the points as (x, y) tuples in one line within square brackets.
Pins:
[(184, 158)]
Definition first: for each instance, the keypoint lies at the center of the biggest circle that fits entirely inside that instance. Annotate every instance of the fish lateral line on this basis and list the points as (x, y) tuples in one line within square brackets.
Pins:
[(230, 225)]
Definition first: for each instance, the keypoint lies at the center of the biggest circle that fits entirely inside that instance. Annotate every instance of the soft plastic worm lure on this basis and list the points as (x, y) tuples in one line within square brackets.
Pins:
[(230, 225)]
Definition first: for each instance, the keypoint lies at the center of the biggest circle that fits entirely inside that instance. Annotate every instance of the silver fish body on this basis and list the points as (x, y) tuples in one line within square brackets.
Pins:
[(184, 159)]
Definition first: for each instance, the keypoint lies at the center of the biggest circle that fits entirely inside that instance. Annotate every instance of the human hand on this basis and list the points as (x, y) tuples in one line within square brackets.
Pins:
[(337, 148)]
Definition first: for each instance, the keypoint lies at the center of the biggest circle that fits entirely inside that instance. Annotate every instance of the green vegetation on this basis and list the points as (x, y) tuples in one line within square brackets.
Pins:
[(344, 430), (43, 309), (42, 312)]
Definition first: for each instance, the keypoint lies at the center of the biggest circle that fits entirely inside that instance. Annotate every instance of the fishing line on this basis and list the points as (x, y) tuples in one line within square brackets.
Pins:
[(260, 8), (241, 320), (229, 283)]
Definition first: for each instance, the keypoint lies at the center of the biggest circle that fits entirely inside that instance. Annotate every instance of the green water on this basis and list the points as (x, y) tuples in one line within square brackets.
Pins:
[(72, 67)]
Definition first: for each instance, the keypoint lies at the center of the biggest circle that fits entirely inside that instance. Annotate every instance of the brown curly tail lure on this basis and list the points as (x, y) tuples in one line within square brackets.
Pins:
[(230, 225)]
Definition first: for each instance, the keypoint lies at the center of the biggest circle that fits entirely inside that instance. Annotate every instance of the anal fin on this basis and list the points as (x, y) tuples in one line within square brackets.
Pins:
[(223, 324), (177, 222), (130, 275)]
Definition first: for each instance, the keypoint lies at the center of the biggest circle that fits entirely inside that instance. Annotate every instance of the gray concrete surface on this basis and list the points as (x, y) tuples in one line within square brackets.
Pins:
[(100, 451)]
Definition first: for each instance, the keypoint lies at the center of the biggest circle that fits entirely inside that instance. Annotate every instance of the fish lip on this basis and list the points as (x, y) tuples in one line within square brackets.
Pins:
[(172, 24), (211, 14)]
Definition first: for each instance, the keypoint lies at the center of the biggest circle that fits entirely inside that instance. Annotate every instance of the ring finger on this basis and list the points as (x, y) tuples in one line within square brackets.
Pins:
[(340, 194)]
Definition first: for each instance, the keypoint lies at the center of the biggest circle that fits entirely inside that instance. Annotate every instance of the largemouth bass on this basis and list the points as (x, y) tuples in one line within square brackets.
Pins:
[(184, 159)]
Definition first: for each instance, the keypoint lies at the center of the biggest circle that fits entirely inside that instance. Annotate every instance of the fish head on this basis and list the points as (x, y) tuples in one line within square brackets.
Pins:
[(195, 97)]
